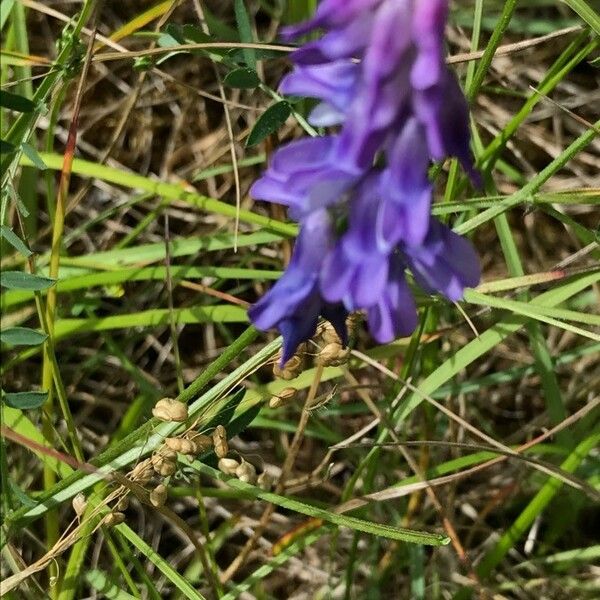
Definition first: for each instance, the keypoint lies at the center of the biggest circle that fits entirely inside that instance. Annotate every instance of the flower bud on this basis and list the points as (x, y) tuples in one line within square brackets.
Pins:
[(290, 370), (220, 441), (169, 410), (158, 495)]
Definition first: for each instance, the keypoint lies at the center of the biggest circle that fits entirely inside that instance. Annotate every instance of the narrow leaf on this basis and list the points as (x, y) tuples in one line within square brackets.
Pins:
[(32, 154), (6, 147), (269, 122), (15, 241), (16, 102), (22, 336), (19, 280), (245, 30)]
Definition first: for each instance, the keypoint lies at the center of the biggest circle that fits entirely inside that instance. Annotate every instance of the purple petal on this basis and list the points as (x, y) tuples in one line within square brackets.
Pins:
[(429, 20), (445, 263), (395, 314)]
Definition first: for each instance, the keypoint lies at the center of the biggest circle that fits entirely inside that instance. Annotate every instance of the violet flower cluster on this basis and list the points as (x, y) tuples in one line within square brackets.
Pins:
[(362, 195)]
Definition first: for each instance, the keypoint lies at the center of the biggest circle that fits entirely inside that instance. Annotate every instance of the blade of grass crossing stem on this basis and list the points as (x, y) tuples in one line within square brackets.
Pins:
[(377, 529), (170, 191), (490, 49)]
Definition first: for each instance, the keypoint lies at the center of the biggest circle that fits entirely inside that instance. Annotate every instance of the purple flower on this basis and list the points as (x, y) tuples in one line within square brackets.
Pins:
[(293, 304), (362, 194)]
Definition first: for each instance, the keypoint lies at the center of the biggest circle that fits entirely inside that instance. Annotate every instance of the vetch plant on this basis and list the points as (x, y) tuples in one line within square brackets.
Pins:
[(362, 195)]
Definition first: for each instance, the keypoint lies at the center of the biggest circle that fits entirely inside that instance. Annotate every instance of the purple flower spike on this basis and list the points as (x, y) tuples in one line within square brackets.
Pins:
[(444, 263), (362, 193), (293, 304)]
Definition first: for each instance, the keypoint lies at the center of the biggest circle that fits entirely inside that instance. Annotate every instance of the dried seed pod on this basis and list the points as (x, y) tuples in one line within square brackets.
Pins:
[(164, 463), (290, 370), (113, 518), (169, 409), (328, 334), (228, 465), (246, 472), (122, 504), (265, 481), (201, 441), (142, 472), (182, 445), (333, 355), (220, 441), (283, 397), (79, 504), (158, 495)]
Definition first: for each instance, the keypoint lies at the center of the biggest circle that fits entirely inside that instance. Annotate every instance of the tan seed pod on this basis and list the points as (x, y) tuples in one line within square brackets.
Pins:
[(329, 335), (79, 504), (290, 370), (158, 495), (122, 504), (283, 397), (265, 481), (333, 355), (142, 472), (182, 445), (228, 465), (164, 465), (220, 441), (201, 441), (113, 518), (169, 410), (246, 472)]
